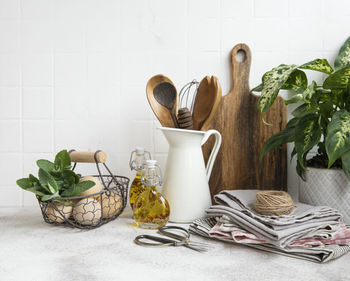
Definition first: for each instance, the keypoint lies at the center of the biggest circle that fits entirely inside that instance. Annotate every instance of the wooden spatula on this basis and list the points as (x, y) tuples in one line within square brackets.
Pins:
[(163, 114), (206, 103)]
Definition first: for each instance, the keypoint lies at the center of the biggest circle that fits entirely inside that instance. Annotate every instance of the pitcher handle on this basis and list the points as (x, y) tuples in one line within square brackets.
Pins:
[(214, 152)]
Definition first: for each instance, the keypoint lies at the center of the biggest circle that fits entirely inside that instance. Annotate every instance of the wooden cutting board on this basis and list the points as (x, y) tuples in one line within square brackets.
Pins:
[(237, 165)]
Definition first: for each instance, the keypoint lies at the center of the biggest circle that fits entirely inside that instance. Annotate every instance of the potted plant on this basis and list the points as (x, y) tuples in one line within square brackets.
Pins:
[(322, 119)]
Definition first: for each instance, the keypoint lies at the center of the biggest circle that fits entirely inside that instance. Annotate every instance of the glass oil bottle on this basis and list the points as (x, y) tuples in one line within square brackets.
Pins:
[(151, 209), (137, 161)]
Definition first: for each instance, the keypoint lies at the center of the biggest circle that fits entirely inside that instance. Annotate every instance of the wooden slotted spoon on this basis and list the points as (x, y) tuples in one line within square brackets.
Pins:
[(163, 99), (206, 103)]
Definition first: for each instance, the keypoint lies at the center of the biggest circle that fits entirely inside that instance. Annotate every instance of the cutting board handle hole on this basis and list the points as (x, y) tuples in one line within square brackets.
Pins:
[(241, 56)]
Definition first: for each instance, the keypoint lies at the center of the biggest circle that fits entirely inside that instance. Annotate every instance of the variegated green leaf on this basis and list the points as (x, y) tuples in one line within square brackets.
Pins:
[(272, 82), (282, 137), (257, 88), (304, 109), (309, 92), (345, 160), (300, 169), (294, 99), (296, 81), (307, 135), (321, 65), (338, 80), (343, 58), (338, 136)]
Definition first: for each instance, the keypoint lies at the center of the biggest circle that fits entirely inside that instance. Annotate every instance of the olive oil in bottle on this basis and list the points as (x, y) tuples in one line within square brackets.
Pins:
[(136, 163), (151, 209)]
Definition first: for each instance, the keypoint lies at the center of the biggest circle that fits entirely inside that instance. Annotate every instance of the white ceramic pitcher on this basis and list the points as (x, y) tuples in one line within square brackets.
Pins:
[(186, 178)]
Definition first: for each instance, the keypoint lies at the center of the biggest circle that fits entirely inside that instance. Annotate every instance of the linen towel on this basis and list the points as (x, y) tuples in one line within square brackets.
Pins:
[(202, 227), (280, 231)]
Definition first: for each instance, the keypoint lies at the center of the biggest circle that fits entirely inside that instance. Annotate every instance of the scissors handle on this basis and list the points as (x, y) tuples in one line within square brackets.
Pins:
[(150, 240), (166, 230)]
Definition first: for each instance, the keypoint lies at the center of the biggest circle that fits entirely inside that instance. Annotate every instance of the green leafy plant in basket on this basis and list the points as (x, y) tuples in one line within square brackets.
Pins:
[(323, 117), (56, 180)]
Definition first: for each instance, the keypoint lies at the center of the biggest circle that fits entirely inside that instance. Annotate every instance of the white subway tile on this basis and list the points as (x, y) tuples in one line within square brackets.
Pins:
[(136, 133), (104, 103), (35, 9), (103, 9), (11, 196), (105, 136), (10, 132), (203, 64), (233, 34), (72, 134), (306, 39), (335, 32), (10, 103), (37, 103), (11, 168), (70, 9), (135, 69), (37, 70), (69, 69), (36, 36), (68, 35), (9, 70), (270, 35), (203, 8), (103, 35), (29, 162), (271, 8), (168, 8), (37, 136), (9, 34), (204, 35), (71, 103), (168, 33), (237, 9), (9, 8), (171, 64), (336, 9), (307, 9), (138, 33), (133, 104), (103, 69)]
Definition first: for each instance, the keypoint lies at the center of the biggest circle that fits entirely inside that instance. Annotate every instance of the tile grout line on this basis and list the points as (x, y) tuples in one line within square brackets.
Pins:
[(21, 98), (53, 89)]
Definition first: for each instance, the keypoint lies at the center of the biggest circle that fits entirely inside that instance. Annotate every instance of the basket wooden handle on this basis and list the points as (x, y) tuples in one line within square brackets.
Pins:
[(88, 156)]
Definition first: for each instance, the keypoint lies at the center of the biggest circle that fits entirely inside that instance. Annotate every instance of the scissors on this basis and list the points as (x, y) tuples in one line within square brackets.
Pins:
[(181, 236)]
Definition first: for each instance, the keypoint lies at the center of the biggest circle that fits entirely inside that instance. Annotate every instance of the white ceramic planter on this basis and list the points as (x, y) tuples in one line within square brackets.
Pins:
[(326, 187)]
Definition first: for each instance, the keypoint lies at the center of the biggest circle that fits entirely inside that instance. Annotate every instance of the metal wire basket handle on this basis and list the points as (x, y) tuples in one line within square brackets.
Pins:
[(93, 157)]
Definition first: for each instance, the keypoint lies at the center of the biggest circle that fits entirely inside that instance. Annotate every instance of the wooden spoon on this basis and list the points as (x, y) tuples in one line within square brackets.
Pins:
[(162, 97), (206, 103)]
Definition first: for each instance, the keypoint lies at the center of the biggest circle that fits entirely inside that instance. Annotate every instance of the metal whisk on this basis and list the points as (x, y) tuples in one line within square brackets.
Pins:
[(187, 97)]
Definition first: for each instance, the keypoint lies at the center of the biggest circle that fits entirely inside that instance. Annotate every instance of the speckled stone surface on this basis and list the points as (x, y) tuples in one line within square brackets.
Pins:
[(30, 249)]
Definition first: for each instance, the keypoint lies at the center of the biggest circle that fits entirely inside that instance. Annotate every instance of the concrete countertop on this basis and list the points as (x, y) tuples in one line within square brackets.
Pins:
[(31, 249)]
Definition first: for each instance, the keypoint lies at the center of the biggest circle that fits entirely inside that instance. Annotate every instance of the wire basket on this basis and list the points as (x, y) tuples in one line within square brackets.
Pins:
[(93, 210)]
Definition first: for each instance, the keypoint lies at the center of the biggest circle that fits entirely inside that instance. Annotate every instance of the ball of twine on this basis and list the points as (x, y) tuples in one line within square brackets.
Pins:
[(273, 203)]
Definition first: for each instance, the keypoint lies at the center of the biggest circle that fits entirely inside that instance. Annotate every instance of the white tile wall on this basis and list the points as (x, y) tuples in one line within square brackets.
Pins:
[(73, 72)]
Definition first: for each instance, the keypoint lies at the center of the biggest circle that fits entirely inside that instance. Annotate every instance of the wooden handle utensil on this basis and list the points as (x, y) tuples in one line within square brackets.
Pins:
[(88, 156)]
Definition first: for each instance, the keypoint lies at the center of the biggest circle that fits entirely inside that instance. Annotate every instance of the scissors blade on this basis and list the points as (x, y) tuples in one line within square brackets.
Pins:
[(153, 241)]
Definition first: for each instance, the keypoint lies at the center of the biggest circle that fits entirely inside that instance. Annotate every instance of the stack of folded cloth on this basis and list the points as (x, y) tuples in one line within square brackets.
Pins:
[(312, 233)]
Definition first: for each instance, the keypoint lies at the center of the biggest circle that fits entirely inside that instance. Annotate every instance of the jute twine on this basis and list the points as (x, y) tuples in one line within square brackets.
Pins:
[(273, 203)]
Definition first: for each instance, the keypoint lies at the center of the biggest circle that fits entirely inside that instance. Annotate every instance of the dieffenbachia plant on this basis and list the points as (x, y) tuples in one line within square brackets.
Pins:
[(56, 180), (323, 117)]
